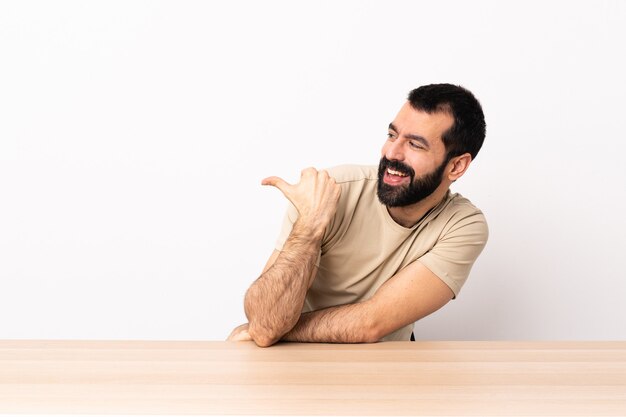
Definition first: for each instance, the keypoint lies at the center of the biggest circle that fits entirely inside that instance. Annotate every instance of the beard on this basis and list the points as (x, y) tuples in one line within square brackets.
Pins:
[(417, 189)]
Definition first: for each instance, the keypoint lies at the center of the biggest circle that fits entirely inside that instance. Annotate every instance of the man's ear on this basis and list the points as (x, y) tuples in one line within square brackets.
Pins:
[(458, 165)]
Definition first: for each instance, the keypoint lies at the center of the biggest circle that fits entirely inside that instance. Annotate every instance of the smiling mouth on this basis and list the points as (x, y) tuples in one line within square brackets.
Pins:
[(395, 178), (396, 173)]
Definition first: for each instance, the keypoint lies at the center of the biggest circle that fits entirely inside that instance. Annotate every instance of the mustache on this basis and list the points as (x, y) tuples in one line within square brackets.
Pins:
[(396, 166)]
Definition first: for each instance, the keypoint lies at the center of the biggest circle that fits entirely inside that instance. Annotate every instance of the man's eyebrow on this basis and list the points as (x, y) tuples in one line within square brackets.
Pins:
[(411, 136)]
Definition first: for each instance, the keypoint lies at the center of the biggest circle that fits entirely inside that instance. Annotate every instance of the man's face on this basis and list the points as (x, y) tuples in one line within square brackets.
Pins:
[(414, 158)]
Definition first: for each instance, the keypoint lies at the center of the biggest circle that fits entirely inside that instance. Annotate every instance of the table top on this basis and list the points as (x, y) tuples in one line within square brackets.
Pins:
[(390, 378)]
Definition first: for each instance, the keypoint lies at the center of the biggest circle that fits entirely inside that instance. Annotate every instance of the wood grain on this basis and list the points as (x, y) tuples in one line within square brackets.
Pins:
[(393, 378)]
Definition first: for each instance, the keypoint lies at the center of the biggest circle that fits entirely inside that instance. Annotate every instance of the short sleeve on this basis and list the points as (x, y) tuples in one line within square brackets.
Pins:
[(454, 254)]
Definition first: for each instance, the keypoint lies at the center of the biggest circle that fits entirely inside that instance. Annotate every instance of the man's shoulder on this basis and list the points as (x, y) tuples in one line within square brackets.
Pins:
[(461, 211), (353, 173), (459, 204)]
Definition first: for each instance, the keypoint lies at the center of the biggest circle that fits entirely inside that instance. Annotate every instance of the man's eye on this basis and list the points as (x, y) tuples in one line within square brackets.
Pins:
[(416, 145), (390, 136)]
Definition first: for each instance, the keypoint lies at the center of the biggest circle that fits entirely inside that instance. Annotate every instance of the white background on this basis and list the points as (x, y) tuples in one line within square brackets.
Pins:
[(134, 136)]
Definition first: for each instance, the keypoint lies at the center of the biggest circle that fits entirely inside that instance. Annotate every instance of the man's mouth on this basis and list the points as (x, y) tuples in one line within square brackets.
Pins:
[(396, 173), (393, 177)]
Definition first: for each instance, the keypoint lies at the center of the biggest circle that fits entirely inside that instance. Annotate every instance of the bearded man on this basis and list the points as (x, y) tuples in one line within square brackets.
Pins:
[(365, 251)]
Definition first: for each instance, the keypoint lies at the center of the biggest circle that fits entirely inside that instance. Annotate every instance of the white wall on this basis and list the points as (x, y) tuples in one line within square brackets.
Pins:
[(134, 136)]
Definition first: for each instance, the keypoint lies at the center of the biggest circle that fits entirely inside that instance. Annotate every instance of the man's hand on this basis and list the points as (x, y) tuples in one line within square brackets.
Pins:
[(240, 334), (315, 197)]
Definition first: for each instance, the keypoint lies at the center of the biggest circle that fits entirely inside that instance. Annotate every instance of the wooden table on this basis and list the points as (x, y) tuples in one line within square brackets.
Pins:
[(393, 378)]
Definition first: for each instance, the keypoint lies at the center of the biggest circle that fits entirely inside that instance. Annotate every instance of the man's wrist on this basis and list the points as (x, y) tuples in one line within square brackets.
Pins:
[(309, 230)]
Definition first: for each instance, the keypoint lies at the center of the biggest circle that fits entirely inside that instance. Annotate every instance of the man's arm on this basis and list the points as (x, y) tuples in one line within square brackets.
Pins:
[(273, 303), (413, 293)]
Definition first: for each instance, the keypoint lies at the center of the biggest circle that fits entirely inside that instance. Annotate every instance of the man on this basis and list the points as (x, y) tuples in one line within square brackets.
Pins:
[(366, 252)]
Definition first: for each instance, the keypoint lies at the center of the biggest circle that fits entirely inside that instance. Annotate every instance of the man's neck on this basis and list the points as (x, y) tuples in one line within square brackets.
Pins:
[(409, 216)]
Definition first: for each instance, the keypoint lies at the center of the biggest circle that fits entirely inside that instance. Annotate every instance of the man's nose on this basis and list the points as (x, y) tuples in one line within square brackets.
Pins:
[(394, 150)]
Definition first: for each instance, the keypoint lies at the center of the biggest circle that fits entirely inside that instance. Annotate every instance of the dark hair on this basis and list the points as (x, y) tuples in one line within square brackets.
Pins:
[(467, 134)]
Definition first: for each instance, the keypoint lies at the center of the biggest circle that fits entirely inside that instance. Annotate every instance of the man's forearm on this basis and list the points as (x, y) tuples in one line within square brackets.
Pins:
[(274, 301), (349, 323)]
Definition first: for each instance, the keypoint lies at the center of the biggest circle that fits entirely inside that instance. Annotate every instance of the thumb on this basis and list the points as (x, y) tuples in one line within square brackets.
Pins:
[(277, 182)]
